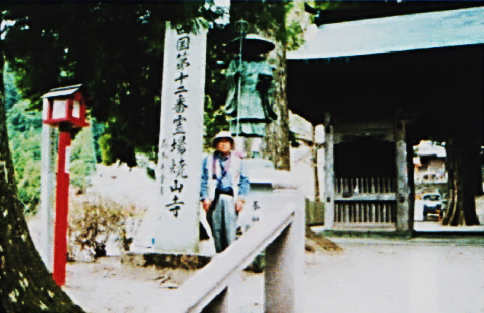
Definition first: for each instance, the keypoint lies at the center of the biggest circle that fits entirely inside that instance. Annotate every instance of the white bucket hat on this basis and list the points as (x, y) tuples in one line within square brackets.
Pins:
[(223, 134)]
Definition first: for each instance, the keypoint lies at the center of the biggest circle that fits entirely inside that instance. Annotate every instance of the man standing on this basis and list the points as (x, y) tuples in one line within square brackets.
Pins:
[(223, 189)]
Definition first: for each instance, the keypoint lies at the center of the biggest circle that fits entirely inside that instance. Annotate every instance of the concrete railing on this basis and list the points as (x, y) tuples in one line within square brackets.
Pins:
[(281, 234)]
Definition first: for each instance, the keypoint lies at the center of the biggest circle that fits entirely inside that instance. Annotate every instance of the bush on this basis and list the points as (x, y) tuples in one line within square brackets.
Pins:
[(93, 220)]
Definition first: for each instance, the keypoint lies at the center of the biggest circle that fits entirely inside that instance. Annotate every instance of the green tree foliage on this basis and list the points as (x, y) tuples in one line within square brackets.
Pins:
[(107, 156), (25, 131), (110, 49), (114, 48), (11, 93), (97, 131)]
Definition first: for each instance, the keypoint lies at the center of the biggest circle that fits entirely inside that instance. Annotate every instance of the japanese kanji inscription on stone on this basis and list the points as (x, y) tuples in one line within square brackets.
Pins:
[(181, 139)]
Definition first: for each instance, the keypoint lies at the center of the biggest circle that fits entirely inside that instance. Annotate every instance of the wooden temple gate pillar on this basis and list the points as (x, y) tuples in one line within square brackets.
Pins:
[(404, 173), (329, 175)]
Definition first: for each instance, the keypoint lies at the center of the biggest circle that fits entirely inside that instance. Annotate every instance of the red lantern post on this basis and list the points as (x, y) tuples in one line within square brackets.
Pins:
[(63, 108), (62, 208)]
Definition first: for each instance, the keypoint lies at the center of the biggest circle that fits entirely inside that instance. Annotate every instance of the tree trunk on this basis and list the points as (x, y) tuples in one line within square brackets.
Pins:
[(461, 182), (25, 283), (277, 135)]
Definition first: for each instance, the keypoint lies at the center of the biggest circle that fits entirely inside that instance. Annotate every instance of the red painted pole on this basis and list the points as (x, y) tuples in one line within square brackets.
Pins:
[(62, 204)]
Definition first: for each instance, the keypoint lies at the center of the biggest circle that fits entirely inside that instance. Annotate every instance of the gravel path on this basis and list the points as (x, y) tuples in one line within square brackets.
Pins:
[(391, 276), (425, 277)]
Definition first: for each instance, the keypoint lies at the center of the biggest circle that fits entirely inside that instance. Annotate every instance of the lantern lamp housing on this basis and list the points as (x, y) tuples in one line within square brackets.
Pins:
[(65, 105)]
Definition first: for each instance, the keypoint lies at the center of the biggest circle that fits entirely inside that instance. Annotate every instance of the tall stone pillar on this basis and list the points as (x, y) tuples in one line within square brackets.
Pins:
[(47, 194), (181, 141)]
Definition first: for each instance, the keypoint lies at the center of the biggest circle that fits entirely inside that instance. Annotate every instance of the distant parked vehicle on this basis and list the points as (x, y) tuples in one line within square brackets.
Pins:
[(432, 204)]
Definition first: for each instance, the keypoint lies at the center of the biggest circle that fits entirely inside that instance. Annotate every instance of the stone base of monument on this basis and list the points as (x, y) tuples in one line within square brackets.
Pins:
[(166, 260)]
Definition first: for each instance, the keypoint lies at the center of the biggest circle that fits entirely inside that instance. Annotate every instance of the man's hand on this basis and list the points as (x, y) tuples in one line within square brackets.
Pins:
[(239, 205), (206, 204)]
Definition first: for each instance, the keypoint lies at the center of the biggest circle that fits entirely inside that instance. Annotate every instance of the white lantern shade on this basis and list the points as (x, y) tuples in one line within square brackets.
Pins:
[(76, 109), (65, 105), (59, 111)]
